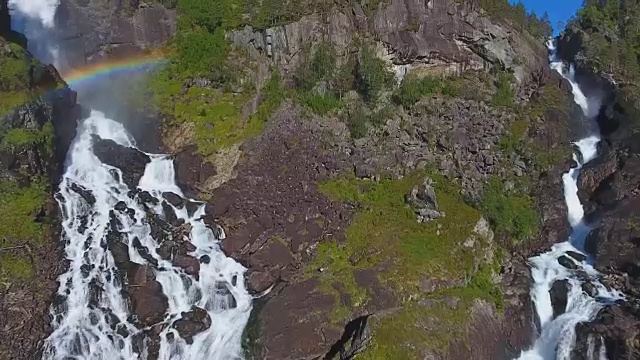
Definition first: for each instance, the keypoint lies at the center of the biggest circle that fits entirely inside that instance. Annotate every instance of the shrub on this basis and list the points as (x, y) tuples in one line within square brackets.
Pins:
[(373, 75), (319, 67), (319, 103), (202, 53), (510, 213), (504, 94), (413, 89), (357, 122), (210, 14)]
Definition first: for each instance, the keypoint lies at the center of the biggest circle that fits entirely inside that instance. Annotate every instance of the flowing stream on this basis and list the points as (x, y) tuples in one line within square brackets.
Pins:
[(96, 325), (557, 335)]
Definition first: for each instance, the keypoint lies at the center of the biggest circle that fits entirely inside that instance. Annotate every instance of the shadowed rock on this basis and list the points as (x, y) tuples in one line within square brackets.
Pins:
[(130, 161)]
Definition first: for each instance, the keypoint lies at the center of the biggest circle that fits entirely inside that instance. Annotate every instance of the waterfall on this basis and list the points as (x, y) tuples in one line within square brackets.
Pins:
[(557, 335), (92, 317), (92, 323)]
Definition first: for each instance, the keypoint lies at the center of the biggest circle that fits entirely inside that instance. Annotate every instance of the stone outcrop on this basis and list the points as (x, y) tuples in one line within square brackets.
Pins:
[(91, 30), (438, 37), (130, 161)]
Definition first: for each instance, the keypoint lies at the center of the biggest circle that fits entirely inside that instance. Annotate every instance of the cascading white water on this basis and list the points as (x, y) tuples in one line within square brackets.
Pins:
[(557, 336), (84, 330), (35, 18)]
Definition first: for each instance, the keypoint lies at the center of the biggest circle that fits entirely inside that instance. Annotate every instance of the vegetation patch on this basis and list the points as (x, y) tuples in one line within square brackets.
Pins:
[(373, 75), (414, 88), (385, 236), (20, 207), (511, 213), (504, 96), (21, 138), (14, 77)]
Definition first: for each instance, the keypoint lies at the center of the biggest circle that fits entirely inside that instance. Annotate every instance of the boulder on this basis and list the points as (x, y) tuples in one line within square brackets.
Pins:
[(423, 199), (148, 301), (130, 161), (191, 323), (190, 264), (559, 292)]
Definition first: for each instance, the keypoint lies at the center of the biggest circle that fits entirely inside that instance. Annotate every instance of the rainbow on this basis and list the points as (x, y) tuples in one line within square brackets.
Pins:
[(111, 67)]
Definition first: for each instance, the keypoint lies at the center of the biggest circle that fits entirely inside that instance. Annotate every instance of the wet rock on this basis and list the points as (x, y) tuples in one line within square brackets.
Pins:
[(174, 199), (130, 161), (144, 251), (260, 281), (205, 259), (85, 270), (119, 250), (120, 206), (86, 194), (613, 327), (567, 262), (192, 323), (190, 264), (577, 256), (148, 301), (559, 293), (589, 289), (147, 198), (170, 215)]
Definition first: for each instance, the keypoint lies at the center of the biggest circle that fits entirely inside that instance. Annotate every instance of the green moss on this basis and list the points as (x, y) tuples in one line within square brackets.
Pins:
[(511, 141), (27, 137), (217, 116), (15, 268), (414, 88), (511, 213), (320, 104), (385, 232), (19, 207), (430, 323), (12, 99), (15, 68)]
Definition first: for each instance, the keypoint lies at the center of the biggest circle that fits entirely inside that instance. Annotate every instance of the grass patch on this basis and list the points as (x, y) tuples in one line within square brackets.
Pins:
[(19, 207), (385, 232), (414, 88), (511, 141), (20, 138), (12, 99), (320, 104), (416, 326), (511, 213), (217, 116), (15, 268)]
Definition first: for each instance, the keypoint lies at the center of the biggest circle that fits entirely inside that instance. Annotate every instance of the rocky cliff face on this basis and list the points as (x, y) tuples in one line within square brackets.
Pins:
[(38, 115), (437, 37), (90, 31)]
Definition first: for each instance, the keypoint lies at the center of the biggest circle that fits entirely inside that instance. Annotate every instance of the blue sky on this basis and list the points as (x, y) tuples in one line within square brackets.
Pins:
[(559, 10)]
